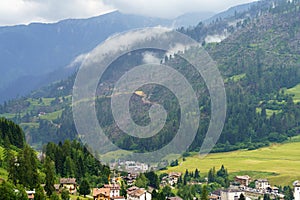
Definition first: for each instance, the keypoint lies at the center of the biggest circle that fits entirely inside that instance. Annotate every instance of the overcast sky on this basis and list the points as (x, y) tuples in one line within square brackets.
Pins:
[(26, 11)]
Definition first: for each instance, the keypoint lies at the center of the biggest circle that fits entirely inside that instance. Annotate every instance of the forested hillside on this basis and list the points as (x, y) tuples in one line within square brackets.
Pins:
[(23, 168), (259, 61), (11, 134)]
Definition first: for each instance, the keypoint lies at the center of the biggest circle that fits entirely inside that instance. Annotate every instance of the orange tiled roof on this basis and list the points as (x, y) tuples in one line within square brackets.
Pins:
[(98, 191)]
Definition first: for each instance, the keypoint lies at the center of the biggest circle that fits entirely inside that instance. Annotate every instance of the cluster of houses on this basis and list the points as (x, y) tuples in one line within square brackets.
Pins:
[(130, 166), (67, 183), (239, 186), (108, 192), (130, 178), (262, 186), (112, 192), (171, 179)]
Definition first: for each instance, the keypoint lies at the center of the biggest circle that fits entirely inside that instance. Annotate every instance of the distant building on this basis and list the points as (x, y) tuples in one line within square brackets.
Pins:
[(68, 183), (135, 193), (57, 187), (243, 180), (130, 178), (133, 166), (230, 194), (274, 190), (30, 194), (108, 192), (171, 179), (262, 184), (296, 185), (174, 177), (215, 195), (101, 194), (114, 189)]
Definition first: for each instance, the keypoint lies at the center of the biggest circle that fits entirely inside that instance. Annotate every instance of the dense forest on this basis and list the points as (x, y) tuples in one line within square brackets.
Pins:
[(11, 134), (259, 60), (27, 170)]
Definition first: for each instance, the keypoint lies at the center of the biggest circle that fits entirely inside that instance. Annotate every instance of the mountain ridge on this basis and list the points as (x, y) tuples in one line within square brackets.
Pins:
[(40, 50)]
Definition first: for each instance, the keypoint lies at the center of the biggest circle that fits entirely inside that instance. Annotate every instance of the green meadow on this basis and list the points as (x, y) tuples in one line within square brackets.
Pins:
[(295, 91), (278, 162)]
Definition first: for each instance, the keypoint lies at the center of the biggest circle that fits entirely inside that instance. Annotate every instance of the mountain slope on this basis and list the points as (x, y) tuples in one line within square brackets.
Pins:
[(38, 54), (38, 51), (258, 61)]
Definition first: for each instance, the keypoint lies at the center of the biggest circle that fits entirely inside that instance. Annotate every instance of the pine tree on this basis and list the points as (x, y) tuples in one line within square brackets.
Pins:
[(153, 179), (211, 175), (69, 167), (222, 172), (142, 181), (7, 191), (39, 194), (50, 176), (197, 174), (27, 168), (65, 195), (54, 196), (123, 191), (11, 165), (21, 195), (288, 193), (179, 180), (204, 194), (84, 188), (242, 197)]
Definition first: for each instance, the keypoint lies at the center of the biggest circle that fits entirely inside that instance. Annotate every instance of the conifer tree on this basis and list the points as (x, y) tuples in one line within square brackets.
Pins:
[(204, 194), (50, 176)]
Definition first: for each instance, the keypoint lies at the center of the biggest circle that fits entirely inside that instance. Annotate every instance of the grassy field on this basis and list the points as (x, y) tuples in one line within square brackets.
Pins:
[(3, 172), (52, 116), (235, 78), (294, 91), (37, 102), (268, 111), (279, 163), (74, 197)]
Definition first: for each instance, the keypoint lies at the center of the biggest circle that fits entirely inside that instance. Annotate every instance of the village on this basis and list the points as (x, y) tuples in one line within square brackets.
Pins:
[(241, 186), (238, 187)]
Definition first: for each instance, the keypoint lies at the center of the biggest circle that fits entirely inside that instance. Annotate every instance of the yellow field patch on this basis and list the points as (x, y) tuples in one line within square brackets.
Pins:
[(283, 159)]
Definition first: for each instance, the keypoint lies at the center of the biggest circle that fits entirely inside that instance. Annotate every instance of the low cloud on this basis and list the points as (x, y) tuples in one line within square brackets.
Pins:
[(215, 38), (150, 58), (171, 8), (26, 11)]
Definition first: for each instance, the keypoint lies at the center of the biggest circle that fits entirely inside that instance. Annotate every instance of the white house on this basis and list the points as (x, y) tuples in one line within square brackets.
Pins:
[(135, 193), (262, 184), (296, 185), (30, 194), (114, 189), (230, 194), (69, 183), (243, 180)]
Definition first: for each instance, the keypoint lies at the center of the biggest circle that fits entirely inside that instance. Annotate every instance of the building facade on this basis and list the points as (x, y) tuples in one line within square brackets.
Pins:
[(296, 185), (230, 194), (243, 180)]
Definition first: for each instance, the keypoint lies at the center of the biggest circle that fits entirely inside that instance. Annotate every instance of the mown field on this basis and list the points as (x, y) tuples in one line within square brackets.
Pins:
[(295, 91), (279, 163)]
